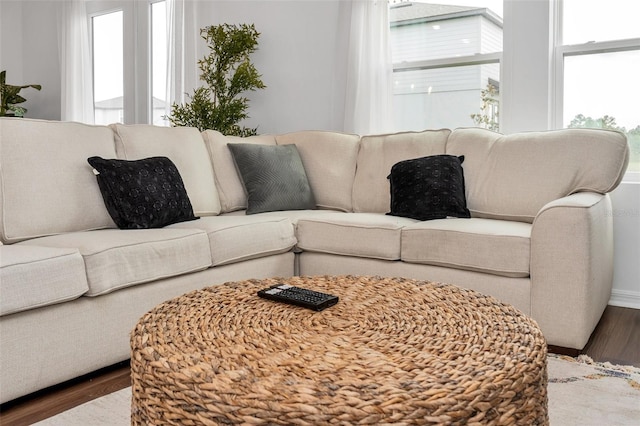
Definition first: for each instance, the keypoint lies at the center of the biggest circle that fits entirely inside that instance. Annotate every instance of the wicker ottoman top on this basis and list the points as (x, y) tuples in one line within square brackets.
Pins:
[(391, 351)]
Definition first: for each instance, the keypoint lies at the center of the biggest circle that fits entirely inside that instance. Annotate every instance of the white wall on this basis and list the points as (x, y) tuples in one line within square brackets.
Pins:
[(29, 53), (11, 40), (626, 234), (302, 58), (42, 64)]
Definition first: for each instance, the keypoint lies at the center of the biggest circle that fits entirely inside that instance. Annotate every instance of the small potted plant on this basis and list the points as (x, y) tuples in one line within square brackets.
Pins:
[(10, 97)]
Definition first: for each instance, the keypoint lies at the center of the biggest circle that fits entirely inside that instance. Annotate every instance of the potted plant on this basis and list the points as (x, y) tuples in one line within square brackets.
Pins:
[(10, 97), (227, 72)]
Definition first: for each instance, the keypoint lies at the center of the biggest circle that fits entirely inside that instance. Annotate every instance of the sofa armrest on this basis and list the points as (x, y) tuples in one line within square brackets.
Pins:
[(571, 266)]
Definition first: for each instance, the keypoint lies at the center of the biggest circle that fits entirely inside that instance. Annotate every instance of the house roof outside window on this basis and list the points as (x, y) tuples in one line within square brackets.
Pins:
[(407, 13)]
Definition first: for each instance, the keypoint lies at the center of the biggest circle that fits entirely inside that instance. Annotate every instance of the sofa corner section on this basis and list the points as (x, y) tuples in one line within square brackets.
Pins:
[(572, 267)]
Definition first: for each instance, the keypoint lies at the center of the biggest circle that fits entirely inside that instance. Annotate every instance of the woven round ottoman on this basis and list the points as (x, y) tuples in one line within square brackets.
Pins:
[(392, 350)]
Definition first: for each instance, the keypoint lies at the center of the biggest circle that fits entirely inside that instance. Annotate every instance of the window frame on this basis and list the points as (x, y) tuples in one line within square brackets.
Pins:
[(137, 84), (90, 18), (561, 51), (457, 61), (151, 60)]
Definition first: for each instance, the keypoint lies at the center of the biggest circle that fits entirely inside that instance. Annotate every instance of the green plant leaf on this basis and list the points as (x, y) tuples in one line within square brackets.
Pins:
[(227, 72), (9, 96)]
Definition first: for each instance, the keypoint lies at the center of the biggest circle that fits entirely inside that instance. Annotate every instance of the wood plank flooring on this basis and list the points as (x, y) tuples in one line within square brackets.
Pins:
[(49, 402), (616, 339)]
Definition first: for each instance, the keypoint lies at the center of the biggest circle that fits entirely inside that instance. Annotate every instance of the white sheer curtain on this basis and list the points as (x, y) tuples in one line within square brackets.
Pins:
[(75, 63), (369, 90), (175, 66), (182, 36)]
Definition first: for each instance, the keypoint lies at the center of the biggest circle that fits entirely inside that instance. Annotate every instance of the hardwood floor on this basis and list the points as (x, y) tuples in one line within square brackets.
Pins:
[(616, 339), (49, 402)]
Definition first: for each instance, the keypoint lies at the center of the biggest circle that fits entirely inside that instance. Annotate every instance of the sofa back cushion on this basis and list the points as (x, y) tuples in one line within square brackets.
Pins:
[(329, 159), (185, 148), (513, 176), (378, 153), (46, 184), (230, 188)]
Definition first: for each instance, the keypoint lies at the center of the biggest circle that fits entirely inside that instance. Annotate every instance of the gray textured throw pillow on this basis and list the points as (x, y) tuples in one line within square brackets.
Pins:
[(273, 177)]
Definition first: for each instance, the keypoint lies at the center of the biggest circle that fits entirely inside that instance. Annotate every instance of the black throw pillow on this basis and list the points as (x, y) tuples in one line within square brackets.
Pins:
[(141, 194), (428, 188), (273, 176)]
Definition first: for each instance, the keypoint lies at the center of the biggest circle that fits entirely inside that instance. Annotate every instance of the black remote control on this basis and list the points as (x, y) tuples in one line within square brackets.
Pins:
[(299, 296)]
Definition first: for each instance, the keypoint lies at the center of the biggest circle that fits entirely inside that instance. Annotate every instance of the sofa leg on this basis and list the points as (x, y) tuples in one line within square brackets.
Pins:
[(561, 350)]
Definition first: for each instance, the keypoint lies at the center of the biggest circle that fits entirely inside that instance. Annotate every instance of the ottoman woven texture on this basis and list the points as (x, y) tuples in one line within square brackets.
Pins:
[(393, 350)]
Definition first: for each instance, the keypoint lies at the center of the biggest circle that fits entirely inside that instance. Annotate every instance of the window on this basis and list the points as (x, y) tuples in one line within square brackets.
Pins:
[(129, 49), (446, 63), (107, 48), (597, 68)]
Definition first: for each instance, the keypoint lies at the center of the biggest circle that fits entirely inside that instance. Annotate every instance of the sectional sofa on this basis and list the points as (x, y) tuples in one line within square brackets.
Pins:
[(72, 284)]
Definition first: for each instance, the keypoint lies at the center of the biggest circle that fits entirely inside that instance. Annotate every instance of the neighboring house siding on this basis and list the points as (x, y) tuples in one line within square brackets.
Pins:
[(447, 96), (421, 41), (439, 80), (491, 42), (435, 111), (491, 37), (491, 71)]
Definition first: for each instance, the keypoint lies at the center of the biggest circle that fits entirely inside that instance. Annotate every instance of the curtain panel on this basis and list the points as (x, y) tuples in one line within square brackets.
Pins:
[(75, 63), (369, 90)]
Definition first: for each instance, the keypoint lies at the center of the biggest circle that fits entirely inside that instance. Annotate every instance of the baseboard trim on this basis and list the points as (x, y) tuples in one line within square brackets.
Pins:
[(625, 299)]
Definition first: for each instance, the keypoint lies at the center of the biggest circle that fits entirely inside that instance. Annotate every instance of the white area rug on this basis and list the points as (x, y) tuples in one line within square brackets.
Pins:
[(581, 392), (110, 410)]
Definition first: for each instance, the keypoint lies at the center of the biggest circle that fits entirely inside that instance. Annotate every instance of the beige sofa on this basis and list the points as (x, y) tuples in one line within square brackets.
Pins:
[(72, 285)]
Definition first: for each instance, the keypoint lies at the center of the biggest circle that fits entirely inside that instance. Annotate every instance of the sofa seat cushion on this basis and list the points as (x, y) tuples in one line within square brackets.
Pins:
[(118, 258), (293, 215), (492, 246), (32, 277), (296, 215), (369, 235), (234, 238)]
